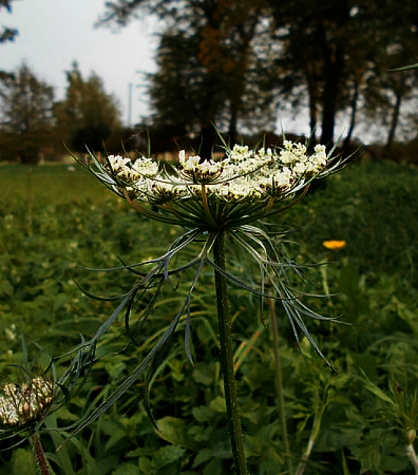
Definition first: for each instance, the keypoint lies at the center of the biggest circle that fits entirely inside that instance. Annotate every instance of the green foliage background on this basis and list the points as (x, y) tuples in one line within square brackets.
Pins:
[(55, 217)]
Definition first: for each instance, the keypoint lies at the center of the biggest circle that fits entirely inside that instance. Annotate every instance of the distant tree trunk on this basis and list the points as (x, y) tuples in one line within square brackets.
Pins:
[(208, 113), (233, 121), (354, 101), (313, 103), (333, 70), (208, 135), (333, 55), (395, 120), (29, 157), (239, 84)]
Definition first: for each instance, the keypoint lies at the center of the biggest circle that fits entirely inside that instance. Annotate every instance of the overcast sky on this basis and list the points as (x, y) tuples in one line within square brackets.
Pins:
[(54, 33)]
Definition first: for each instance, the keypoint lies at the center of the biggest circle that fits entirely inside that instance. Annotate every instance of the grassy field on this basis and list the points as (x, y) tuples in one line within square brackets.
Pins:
[(360, 419), (54, 184)]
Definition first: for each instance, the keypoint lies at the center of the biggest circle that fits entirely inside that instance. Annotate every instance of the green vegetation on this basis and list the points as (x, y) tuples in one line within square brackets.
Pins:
[(361, 419)]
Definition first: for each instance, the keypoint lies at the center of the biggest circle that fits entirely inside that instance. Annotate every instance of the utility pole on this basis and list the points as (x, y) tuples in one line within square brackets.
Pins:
[(130, 87)]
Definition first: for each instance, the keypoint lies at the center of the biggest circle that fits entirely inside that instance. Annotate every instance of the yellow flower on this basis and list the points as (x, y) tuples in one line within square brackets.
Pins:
[(334, 244)]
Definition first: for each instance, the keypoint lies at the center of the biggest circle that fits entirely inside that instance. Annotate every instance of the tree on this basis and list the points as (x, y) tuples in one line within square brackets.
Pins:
[(7, 34), (207, 66), (27, 115), (334, 50), (316, 40), (328, 54), (227, 51), (388, 91), (183, 83), (88, 115)]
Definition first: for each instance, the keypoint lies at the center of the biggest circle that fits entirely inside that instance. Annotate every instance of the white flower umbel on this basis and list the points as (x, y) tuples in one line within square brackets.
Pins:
[(21, 404), (260, 178)]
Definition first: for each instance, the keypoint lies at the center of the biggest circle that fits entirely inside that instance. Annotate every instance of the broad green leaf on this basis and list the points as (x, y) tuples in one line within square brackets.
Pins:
[(145, 466), (167, 455), (202, 413), (202, 456), (218, 405), (23, 463), (203, 374), (127, 469), (214, 467), (379, 393), (174, 430)]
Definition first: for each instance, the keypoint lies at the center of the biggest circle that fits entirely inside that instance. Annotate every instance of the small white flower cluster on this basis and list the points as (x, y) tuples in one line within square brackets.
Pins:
[(11, 332), (244, 174), (24, 403), (294, 156), (197, 169), (136, 171)]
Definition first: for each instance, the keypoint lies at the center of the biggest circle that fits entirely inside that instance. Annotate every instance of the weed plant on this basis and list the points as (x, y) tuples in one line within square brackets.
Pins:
[(361, 419)]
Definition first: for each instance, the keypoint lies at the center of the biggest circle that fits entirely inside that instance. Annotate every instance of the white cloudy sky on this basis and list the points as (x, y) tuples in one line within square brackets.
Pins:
[(54, 33)]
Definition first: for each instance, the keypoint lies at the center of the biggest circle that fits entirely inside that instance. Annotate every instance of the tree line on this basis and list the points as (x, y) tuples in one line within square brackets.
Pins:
[(34, 124), (239, 63), (236, 66)]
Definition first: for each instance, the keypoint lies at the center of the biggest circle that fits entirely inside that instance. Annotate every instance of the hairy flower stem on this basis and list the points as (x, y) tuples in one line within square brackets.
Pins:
[(39, 454), (224, 319), (312, 439), (410, 451), (279, 385)]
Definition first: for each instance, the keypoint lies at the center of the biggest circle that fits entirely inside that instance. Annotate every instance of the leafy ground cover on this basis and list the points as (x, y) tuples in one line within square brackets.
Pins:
[(359, 419)]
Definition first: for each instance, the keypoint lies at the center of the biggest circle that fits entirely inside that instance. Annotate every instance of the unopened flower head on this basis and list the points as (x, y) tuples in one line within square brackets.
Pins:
[(259, 178), (21, 404)]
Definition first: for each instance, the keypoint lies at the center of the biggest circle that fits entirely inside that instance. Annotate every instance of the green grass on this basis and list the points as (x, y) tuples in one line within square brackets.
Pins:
[(49, 184), (53, 219), (374, 208)]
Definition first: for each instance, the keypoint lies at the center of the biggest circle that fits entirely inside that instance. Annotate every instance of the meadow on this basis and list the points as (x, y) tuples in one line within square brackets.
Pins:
[(359, 418)]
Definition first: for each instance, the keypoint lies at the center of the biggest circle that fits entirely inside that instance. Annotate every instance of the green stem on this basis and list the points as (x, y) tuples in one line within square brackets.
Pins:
[(312, 439), (41, 462), (224, 319), (410, 451), (30, 201), (279, 385)]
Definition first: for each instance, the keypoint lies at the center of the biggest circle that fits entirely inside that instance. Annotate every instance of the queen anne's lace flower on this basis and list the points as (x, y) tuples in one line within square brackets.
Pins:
[(145, 167), (21, 404), (244, 175), (117, 162), (213, 200)]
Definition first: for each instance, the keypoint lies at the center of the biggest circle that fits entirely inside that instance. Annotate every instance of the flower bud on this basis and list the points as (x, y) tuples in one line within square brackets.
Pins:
[(410, 435)]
